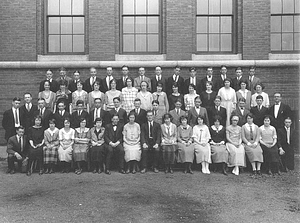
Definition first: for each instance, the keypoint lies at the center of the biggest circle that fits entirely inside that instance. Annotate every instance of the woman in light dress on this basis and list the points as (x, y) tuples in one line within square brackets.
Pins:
[(145, 96), (96, 93), (128, 95), (48, 95), (111, 94), (132, 147), (190, 97), (63, 94), (259, 87), (244, 93), (162, 98), (80, 94)]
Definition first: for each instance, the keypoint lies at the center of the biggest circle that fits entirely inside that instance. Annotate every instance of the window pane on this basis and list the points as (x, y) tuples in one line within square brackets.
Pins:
[(276, 6), (153, 6), (226, 24), (214, 42), (152, 24), (53, 25), (202, 7), (226, 42), (202, 42), (287, 41), (297, 6), (65, 7), (128, 6), (140, 25), (128, 43), (66, 25), (226, 6), (153, 43), (288, 6), (54, 43), (53, 7), (140, 43), (296, 23), (275, 42), (202, 25), (297, 41), (66, 43), (128, 25), (275, 23), (78, 25), (214, 7), (287, 23), (78, 43), (140, 7), (77, 7), (214, 25)]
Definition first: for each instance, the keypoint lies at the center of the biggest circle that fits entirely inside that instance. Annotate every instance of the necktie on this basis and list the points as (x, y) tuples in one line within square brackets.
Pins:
[(178, 111), (27, 107), (21, 143), (41, 112), (251, 132), (258, 108), (200, 135), (124, 81), (61, 113), (168, 131), (97, 113), (151, 129), (288, 135), (155, 112), (78, 113), (17, 118)]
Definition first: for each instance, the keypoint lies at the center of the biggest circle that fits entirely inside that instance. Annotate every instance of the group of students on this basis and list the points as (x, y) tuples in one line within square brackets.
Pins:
[(216, 120)]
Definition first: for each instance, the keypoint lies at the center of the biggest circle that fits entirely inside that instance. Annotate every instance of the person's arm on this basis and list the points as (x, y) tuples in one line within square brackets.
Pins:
[(244, 137)]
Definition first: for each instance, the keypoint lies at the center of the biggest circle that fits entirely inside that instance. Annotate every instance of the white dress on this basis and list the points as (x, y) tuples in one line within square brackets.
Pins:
[(132, 147), (202, 134), (228, 101), (66, 138)]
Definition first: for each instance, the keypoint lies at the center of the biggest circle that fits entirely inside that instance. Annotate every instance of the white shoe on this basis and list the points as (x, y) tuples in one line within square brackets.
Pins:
[(207, 170)]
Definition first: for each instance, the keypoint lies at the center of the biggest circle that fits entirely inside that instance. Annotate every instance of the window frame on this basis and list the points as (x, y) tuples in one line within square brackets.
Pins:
[(160, 31)]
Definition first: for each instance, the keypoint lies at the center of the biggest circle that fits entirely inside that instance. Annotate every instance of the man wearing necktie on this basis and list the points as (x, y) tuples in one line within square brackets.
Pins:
[(106, 81), (60, 115), (209, 77), (73, 83), (241, 112), (121, 83), (63, 76), (138, 80), (88, 83), (28, 109), (236, 82), (252, 80), (177, 79), (177, 112), (158, 79), (54, 87), (259, 111), (192, 79), (140, 114), (79, 114), (217, 110)]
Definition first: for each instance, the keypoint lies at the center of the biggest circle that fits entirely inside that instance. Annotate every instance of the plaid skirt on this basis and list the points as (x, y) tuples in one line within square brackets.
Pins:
[(50, 155)]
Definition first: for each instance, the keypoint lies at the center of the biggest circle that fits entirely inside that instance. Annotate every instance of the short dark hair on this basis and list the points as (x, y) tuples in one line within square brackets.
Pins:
[(192, 69), (16, 99), (124, 66), (259, 97), (182, 117), (20, 127), (79, 102), (98, 120), (117, 98), (166, 116), (155, 101)]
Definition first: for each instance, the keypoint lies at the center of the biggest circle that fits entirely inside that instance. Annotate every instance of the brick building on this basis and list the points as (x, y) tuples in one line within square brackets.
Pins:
[(40, 34)]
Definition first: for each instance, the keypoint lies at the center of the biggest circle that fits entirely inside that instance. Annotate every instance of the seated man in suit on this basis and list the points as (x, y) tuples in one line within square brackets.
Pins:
[(113, 138), (217, 110), (150, 141), (138, 80), (63, 76), (79, 114), (158, 78), (88, 83), (54, 87), (193, 79), (241, 112), (118, 111), (259, 111), (45, 113), (28, 110), (121, 83), (194, 113), (98, 112), (73, 83), (140, 114), (157, 114), (177, 112), (17, 149), (60, 115)]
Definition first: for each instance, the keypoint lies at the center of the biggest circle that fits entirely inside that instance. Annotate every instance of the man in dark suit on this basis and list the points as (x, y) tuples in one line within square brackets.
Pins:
[(236, 82), (53, 83), (158, 78), (28, 110), (193, 79), (105, 82), (196, 111), (63, 76), (138, 80), (252, 80), (176, 113), (140, 114), (217, 110), (12, 118), (177, 79), (73, 83), (88, 84), (121, 83), (98, 112), (17, 148), (259, 111), (209, 77), (60, 115), (46, 114), (220, 78), (113, 137), (279, 111), (79, 114), (241, 112), (118, 111), (150, 141), (287, 143)]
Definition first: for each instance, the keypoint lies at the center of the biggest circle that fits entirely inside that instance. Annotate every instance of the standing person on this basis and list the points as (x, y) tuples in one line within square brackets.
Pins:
[(287, 139), (76, 79), (259, 111), (194, 112), (66, 141), (244, 93), (12, 118), (80, 94), (175, 96), (45, 113), (28, 110), (121, 83), (259, 91), (236, 82), (120, 112), (145, 96), (176, 113), (185, 144), (111, 94), (251, 135), (157, 114), (113, 137), (95, 93), (161, 97), (51, 139), (189, 98), (177, 79), (221, 78), (150, 141), (208, 96), (128, 95), (98, 112), (17, 150), (140, 114), (234, 145), (132, 147), (48, 95), (217, 109), (97, 150), (193, 79), (158, 78), (63, 77), (209, 77), (63, 95), (228, 97), (79, 114), (52, 83), (168, 142), (241, 111), (138, 80), (36, 144), (252, 79), (106, 81), (60, 115), (88, 84), (279, 112)]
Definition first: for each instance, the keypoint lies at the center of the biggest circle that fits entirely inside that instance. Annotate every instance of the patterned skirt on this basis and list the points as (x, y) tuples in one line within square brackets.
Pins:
[(168, 152), (80, 152), (50, 155)]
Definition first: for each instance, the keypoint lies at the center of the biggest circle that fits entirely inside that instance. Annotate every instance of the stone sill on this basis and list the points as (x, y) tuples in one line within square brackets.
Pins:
[(216, 57), (48, 58)]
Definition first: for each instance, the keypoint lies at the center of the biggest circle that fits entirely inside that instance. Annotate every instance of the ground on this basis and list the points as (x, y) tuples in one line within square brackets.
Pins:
[(149, 197)]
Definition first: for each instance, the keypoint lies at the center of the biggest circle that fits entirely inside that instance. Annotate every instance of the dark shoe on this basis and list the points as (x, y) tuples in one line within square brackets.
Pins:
[(224, 172), (143, 170), (259, 173), (133, 171), (190, 171), (8, 171), (51, 171), (41, 172), (253, 173), (94, 171), (28, 173), (100, 171), (109, 173), (122, 171), (185, 171), (166, 170), (171, 171), (79, 171), (269, 172), (127, 171), (155, 170), (47, 171), (12, 172)]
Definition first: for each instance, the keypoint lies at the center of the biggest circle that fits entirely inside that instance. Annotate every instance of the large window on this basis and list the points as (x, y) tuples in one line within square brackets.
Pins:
[(65, 26), (214, 30), (140, 32), (285, 25)]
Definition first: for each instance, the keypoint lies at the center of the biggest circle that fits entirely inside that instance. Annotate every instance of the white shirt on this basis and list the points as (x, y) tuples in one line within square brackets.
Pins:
[(193, 80), (61, 112), (276, 109), (223, 77), (16, 117), (197, 110), (97, 113), (175, 77), (288, 135), (42, 110), (28, 106), (108, 79), (209, 78), (158, 77), (137, 111), (92, 80)]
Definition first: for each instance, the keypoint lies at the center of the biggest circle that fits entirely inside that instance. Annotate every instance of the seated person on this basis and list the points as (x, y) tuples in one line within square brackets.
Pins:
[(157, 114), (176, 113)]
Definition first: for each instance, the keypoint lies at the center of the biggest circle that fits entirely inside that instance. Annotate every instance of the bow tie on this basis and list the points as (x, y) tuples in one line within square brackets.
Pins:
[(185, 128), (114, 125)]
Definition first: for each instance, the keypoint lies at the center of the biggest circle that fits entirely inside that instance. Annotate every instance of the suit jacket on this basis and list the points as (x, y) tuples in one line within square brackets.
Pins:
[(75, 119), (14, 146), (175, 116), (212, 112), (47, 115), (156, 133), (8, 122), (242, 117), (203, 83), (104, 87), (54, 86), (283, 112), (68, 79), (236, 84), (259, 115), (60, 119), (158, 116), (121, 113), (113, 136), (141, 117), (193, 115), (170, 82), (73, 86), (103, 114), (252, 83), (137, 83), (121, 84), (87, 85), (187, 83), (282, 138), (154, 84), (28, 116)]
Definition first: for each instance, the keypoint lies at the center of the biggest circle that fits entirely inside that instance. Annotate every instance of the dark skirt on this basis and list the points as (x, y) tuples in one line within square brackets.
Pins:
[(168, 152), (270, 154), (35, 154), (50, 155), (97, 153)]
